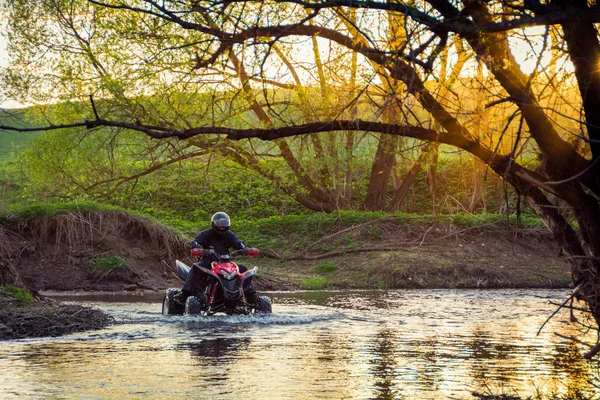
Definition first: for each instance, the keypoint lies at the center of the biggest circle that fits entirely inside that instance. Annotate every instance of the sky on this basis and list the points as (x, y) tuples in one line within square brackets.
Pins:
[(5, 103), (3, 64)]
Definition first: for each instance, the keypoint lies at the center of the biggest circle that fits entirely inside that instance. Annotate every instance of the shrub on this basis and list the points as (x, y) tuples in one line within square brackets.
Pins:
[(109, 263), (325, 268), (17, 293), (469, 220), (314, 283)]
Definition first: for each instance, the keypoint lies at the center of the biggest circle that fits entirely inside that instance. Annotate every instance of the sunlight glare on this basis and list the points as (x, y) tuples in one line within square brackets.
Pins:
[(528, 45)]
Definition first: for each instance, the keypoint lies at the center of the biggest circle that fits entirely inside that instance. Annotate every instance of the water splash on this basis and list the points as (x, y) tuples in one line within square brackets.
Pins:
[(252, 319), (270, 319)]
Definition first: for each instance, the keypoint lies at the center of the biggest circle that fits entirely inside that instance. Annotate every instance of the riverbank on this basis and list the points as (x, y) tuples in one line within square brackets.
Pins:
[(111, 251), (426, 256)]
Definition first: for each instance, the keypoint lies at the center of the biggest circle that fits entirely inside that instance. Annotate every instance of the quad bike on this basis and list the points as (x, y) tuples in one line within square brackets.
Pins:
[(224, 289)]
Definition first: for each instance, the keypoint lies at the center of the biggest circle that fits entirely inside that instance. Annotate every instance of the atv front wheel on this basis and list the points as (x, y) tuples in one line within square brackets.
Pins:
[(263, 305), (193, 305)]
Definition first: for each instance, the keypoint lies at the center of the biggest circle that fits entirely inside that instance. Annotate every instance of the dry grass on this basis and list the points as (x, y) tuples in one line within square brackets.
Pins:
[(73, 229)]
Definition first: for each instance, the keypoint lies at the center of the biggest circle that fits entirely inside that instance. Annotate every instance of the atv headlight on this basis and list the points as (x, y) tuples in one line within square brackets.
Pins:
[(229, 275)]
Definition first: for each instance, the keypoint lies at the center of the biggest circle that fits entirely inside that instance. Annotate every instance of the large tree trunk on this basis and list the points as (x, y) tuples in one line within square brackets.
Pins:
[(584, 52), (385, 159), (402, 190)]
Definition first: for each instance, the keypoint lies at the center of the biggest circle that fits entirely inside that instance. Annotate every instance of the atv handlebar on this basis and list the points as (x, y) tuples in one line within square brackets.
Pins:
[(251, 252)]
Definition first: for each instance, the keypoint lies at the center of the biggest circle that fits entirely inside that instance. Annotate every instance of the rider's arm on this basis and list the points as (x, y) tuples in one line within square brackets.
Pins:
[(236, 243), (201, 241)]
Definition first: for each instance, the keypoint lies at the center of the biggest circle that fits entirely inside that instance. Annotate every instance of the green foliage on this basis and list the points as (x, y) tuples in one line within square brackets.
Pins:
[(223, 187), (69, 164), (63, 164), (17, 293), (298, 230), (325, 268), (35, 210), (109, 263), (314, 283), (526, 220), (287, 234)]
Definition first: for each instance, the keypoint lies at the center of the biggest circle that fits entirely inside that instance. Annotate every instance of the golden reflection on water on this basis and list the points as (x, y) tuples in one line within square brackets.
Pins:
[(407, 351)]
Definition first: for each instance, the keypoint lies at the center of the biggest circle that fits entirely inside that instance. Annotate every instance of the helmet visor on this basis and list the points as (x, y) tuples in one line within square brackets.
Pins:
[(221, 222)]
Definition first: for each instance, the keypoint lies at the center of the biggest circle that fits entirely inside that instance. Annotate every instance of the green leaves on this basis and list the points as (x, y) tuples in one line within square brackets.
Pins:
[(314, 283), (109, 263), (17, 293)]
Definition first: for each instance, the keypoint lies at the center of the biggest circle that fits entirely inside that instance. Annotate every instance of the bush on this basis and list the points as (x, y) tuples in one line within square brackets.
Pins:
[(109, 263), (17, 293), (314, 283), (325, 268)]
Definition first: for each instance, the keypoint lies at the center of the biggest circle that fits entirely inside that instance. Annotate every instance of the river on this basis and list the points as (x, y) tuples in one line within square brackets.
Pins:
[(404, 344)]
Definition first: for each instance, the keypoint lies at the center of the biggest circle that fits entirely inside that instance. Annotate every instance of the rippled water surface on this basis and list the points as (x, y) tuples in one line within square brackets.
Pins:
[(336, 345)]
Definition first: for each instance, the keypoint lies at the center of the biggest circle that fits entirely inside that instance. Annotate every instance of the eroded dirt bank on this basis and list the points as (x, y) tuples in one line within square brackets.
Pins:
[(73, 251), (69, 252)]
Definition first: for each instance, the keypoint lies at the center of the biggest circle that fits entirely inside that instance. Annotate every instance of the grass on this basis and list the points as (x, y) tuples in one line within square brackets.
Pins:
[(314, 283), (50, 210), (109, 263), (325, 268), (469, 220), (17, 293), (297, 230)]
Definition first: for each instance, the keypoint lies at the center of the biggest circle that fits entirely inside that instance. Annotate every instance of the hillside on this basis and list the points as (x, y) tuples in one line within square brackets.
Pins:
[(10, 140)]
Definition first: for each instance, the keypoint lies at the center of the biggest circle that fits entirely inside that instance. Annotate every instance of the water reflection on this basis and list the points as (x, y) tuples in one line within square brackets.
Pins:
[(495, 356), (571, 371), (386, 367), (428, 372), (342, 345), (219, 350)]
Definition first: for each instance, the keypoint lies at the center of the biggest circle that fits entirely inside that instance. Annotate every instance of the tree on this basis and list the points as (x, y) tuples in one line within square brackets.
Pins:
[(193, 46)]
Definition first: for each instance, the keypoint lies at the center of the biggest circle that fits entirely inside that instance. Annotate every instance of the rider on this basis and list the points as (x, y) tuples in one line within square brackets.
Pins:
[(218, 238)]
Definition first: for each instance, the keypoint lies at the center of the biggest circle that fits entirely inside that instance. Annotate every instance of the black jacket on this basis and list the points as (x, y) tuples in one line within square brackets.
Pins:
[(220, 243)]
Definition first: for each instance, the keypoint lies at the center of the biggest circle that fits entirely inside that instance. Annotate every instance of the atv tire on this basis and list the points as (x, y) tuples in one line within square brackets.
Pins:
[(170, 306), (263, 305), (193, 305)]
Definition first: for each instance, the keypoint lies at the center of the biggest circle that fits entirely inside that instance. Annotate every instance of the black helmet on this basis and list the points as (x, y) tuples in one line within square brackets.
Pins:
[(220, 222)]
